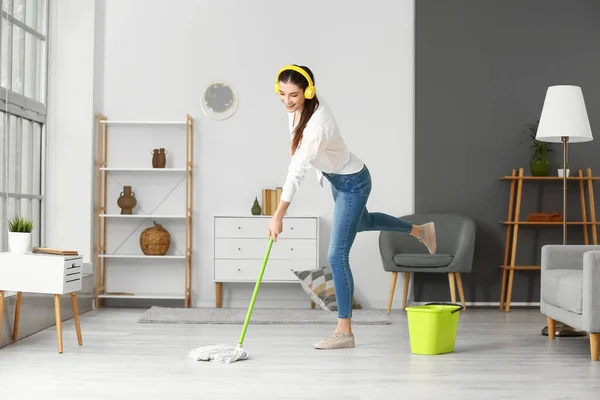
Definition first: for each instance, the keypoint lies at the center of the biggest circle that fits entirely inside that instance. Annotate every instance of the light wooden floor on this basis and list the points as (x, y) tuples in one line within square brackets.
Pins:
[(498, 356)]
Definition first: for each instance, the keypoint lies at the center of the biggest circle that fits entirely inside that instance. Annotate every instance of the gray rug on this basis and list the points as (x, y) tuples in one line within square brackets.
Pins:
[(167, 315)]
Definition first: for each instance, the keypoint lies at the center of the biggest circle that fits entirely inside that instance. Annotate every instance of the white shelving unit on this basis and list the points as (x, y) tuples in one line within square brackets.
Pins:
[(139, 256), (143, 169), (103, 214), (145, 296), (107, 122), (140, 216)]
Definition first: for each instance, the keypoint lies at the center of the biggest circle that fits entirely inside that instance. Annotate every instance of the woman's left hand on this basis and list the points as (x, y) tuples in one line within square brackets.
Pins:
[(275, 227)]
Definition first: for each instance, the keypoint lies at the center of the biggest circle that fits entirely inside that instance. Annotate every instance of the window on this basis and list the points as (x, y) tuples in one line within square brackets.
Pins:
[(23, 75)]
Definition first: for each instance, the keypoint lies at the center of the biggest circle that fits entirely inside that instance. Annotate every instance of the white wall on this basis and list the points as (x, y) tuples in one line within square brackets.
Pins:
[(158, 57), (70, 183)]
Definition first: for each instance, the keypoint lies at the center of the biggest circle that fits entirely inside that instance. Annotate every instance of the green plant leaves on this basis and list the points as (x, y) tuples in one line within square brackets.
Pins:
[(540, 149), (19, 224)]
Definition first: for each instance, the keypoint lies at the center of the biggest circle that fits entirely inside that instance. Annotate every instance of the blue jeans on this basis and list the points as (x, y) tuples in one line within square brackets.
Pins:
[(350, 216)]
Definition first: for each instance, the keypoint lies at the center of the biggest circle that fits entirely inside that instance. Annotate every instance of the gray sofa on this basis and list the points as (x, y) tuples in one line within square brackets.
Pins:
[(570, 289)]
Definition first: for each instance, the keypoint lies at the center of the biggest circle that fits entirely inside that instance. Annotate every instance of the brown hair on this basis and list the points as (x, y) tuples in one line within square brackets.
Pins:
[(310, 105)]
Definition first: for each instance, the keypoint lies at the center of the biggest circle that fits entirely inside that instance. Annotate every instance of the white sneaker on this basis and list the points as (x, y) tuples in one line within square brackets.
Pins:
[(337, 340), (428, 236)]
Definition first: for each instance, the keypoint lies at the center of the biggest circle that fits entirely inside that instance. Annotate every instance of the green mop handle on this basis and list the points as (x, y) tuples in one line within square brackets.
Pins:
[(256, 287)]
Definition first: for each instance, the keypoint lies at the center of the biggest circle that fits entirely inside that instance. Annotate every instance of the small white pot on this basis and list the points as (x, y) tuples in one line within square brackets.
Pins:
[(560, 172), (19, 242)]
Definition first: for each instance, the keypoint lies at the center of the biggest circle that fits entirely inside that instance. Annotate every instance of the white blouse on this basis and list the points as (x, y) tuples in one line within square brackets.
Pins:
[(322, 148)]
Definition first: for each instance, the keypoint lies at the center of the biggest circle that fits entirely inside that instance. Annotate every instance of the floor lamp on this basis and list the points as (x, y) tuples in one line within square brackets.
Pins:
[(564, 120)]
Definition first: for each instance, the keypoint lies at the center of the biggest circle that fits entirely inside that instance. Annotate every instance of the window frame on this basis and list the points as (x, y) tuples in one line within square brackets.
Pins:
[(11, 101), (24, 108)]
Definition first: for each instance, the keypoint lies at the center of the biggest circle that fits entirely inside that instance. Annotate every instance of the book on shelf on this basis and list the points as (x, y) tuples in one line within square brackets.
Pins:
[(266, 199), (61, 252), (270, 200), (544, 217), (273, 201)]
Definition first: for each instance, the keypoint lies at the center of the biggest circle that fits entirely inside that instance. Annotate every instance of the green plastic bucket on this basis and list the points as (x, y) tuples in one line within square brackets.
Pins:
[(432, 327)]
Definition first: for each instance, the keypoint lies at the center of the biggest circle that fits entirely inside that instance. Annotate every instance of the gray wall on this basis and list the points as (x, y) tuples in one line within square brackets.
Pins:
[(482, 70)]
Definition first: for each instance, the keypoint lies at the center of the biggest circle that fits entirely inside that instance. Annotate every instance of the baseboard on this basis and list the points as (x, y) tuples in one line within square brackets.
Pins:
[(305, 302), (486, 304)]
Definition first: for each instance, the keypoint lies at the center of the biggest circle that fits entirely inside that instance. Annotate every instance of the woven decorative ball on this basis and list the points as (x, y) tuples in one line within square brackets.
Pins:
[(155, 240)]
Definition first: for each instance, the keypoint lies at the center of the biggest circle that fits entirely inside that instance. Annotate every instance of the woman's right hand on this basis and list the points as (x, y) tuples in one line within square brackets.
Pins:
[(275, 227)]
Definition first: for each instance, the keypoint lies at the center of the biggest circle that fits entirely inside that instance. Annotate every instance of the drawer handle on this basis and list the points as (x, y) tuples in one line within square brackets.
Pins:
[(239, 227), (292, 249), (239, 249), (292, 228)]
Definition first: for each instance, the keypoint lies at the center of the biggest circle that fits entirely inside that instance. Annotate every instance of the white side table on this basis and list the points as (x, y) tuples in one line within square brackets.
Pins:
[(41, 273)]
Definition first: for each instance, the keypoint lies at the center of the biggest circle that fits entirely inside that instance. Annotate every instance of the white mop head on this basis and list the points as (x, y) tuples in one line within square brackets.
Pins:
[(219, 353)]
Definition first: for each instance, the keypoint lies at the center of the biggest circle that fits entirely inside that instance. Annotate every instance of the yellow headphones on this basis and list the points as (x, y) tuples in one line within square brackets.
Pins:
[(310, 91)]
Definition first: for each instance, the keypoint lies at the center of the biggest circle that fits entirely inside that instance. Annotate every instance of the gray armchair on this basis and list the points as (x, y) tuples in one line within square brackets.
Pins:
[(455, 236), (570, 289)]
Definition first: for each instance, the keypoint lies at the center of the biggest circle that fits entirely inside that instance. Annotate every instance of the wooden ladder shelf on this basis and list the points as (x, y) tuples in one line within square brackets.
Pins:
[(513, 222)]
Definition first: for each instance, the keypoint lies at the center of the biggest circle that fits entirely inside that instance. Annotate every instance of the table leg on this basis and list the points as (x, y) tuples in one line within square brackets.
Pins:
[(219, 294), (76, 317), (17, 314), (1, 312), (58, 322)]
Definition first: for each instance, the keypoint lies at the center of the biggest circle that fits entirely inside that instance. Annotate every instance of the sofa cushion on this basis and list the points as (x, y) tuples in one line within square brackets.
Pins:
[(423, 260), (563, 289)]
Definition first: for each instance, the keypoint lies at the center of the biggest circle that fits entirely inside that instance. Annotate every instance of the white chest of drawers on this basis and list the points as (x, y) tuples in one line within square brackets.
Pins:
[(240, 244)]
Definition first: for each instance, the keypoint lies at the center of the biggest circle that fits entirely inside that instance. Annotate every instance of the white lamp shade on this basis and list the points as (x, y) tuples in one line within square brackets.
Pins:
[(564, 115)]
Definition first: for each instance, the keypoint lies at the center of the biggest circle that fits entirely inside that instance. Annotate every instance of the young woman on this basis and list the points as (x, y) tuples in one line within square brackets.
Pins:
[(316, 143)]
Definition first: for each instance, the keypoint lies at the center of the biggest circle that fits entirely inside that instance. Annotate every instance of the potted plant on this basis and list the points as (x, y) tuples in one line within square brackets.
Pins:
[(19, 235), (539, 164)]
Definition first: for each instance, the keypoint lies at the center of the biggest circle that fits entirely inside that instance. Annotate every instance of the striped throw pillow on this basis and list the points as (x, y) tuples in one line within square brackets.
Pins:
[(318, 284)]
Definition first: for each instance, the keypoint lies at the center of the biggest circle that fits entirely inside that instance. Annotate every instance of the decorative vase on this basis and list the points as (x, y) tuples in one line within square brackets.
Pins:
[(256, 210), (155, 240), (19, 242), (162, 158), (154, 158), (540, 168), (127, 201), (159, 158)]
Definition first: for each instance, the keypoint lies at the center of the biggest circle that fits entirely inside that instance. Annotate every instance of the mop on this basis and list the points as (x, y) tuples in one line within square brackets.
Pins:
[(225, 354)]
